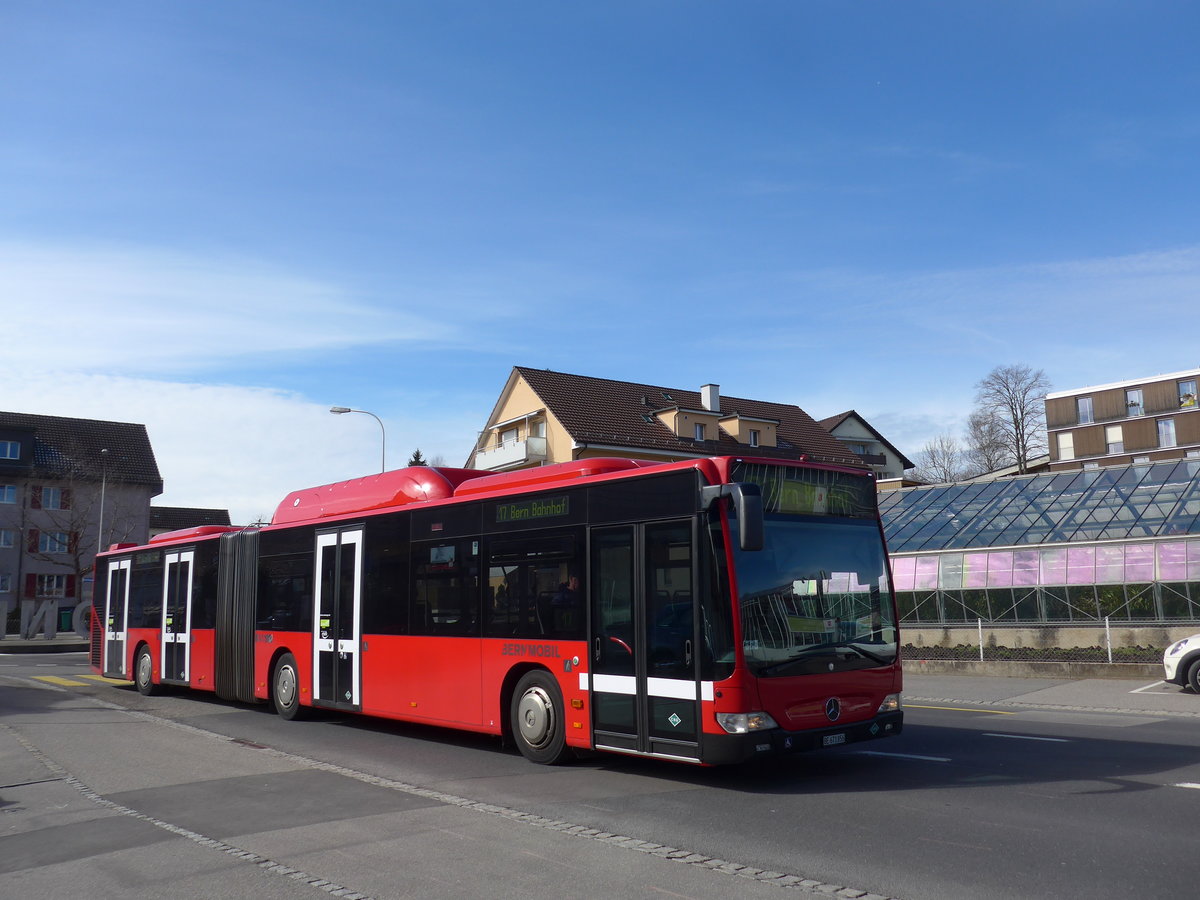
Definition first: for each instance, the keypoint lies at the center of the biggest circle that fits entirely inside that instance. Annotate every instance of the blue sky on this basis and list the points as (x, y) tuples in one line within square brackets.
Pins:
[(221, 218)]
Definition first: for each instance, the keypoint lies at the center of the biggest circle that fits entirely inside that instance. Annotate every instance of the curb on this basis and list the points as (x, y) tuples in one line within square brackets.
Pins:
[(1040, 669)]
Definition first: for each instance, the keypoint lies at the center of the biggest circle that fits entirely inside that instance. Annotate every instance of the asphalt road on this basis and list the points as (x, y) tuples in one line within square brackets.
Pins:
[(999, 787)]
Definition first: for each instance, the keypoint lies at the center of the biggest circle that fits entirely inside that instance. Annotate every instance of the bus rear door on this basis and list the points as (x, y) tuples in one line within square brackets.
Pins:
[(645, 689), (116, 617)]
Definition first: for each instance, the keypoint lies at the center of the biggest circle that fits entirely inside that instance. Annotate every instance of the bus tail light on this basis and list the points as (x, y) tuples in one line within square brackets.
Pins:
[(743, 723), (891, 703)]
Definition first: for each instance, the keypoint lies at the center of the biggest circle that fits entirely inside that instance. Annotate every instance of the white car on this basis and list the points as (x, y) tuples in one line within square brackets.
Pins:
[(1182, 662)]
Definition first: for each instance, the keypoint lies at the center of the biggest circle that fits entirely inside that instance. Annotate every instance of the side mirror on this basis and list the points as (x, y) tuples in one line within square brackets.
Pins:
[(747, 506)]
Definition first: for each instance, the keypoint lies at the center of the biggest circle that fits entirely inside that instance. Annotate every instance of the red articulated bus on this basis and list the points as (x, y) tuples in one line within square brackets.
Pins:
[(709, 611)]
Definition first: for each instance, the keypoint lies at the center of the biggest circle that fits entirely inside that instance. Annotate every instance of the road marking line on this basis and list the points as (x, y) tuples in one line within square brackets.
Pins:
[(62, 682), (903, 755), (104, 678), (1147, 687), (1027, 737), (1188, 784), (994, 712)]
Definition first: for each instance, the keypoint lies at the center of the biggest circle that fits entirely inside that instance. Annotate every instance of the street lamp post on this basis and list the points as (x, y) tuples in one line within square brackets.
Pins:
[(342, 410), (103, 486)]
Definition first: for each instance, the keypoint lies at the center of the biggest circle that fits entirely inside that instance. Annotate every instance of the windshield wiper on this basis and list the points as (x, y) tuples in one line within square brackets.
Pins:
[(829, 645)]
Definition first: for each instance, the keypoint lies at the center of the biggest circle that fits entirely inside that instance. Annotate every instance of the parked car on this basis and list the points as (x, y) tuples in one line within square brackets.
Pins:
[(1181, 662)]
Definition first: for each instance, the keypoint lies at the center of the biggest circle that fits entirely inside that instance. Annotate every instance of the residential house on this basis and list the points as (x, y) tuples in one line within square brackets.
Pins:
[(868, 444), (546, 417), (174, 518)]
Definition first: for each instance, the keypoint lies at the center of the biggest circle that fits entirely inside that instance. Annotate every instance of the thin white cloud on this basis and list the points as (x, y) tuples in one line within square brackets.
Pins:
[(240, 448), (138, 310)]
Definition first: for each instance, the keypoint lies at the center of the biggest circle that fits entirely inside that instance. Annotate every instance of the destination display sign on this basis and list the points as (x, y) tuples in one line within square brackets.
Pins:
[(512, 511)]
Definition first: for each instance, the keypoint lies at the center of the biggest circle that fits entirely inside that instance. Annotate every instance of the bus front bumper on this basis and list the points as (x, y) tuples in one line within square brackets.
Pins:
[(734, 748)]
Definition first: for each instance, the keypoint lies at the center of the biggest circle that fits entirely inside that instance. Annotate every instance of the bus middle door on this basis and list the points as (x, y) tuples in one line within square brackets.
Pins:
[(645, 690), (337, 628), (177, 616)]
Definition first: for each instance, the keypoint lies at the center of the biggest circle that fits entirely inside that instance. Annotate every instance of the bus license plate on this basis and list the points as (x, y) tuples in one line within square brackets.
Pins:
[(830, 740)]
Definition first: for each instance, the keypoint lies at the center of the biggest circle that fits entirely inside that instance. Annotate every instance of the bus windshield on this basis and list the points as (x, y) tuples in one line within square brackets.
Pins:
[(816, 598)]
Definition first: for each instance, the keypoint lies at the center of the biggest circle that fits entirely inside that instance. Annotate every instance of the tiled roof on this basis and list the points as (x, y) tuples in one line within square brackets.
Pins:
[(63, 446), (600, 411), (171, 518)]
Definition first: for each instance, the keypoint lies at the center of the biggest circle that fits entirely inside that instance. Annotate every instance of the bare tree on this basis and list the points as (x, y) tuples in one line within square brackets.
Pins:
[(1011, 398), (986, 450), (940, 460)]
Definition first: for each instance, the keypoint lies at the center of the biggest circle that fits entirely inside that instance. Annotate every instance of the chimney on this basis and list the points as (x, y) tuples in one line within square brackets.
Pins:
[(710, 397)]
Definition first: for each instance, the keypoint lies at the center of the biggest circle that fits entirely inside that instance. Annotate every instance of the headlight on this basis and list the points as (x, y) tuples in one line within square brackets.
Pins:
[(1176, 649), (742, 723), (891, 703)]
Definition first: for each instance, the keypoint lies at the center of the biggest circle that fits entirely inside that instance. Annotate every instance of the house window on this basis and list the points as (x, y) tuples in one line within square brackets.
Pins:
[(52, 585), (7, 536), (753, 437), (50, 498), (1114, 440), (53, 542), (8, 493), (1066, 446), (5, 583), (1133, 402), (538, 428), (699, 431), (509, 436), (10, 450), (1166, 432), (1187, 394), (1083, 406)]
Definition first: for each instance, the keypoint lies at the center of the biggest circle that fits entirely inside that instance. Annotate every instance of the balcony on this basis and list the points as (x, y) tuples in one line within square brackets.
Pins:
[(512, 454)]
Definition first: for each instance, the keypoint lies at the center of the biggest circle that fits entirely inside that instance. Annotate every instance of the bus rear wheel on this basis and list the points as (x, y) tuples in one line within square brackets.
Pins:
[(536, 717), (285, 688), (143, 672)]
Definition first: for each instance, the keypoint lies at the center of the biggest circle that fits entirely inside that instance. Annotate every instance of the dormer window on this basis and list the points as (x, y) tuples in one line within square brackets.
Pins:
[(700, 431), (10, 450), (753, 437)]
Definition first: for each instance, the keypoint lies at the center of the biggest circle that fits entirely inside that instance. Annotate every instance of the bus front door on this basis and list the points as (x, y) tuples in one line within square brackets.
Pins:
[(116, 617), (177, 616), (645, 690), (336, 619)]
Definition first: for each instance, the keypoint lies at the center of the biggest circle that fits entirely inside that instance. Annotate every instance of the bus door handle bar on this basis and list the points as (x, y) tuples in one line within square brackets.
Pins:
[(687, 652)]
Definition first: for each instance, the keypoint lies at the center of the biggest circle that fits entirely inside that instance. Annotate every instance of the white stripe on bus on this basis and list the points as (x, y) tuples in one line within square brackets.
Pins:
[(670, 688)]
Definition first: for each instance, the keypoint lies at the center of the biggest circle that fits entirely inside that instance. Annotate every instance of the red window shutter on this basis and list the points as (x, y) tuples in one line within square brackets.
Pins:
[(70, 587), (30, 585), (33, 540), (35, 497), (66, 498)]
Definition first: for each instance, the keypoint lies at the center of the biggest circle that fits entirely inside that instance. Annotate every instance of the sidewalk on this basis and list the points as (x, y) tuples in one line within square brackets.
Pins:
[(65, 642)]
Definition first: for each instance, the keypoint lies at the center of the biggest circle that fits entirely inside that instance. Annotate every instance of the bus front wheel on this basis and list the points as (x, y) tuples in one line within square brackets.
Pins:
[(285, 688), (536, 717), (143, 672)]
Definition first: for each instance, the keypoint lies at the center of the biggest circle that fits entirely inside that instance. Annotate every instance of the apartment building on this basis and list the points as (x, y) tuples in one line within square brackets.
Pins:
[(1144, 420), (67, 487)]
